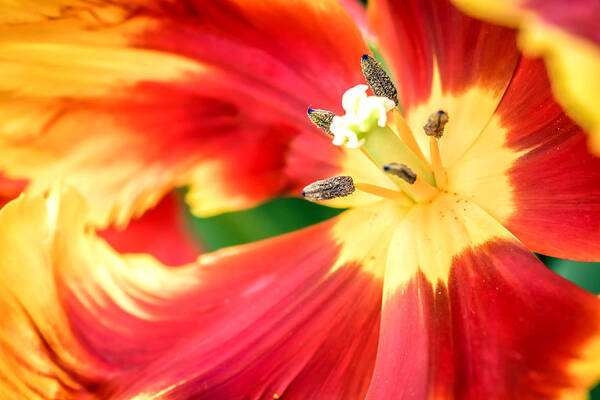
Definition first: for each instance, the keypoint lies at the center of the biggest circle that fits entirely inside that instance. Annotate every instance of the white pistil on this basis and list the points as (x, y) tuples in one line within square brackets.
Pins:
[(363, 113)]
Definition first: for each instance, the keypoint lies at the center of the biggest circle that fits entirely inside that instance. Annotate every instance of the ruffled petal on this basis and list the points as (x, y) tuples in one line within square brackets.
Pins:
[(531, 170), (161, 232), (470, 313), (125, 100), (443, 59), (296, 316), (566, 34)]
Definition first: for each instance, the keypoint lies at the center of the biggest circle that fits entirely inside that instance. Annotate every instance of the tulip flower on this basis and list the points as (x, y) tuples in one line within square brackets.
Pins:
[(425, 288)]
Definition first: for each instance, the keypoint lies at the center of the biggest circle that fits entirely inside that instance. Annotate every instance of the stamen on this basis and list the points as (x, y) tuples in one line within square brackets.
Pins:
[(401, 171), (441, 178), (378, 79), (435, 129), (399, 125), (420, 190), (379, 191), (322, 119), (436, 123), (330, 188)]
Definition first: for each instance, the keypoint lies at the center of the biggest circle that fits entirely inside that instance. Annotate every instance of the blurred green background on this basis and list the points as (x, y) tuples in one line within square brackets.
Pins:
[(284, 215)]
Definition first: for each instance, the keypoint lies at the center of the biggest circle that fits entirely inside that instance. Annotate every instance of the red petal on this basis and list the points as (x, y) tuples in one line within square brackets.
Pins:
[(557, 181), (532, 170), (417, 35), (566, 35), (211, 94), (292, 316), (161, 232), (503, 327), (10, 188)]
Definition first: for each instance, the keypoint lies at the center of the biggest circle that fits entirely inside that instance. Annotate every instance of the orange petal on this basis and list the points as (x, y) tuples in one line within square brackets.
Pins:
[(125, 102), (294, 316), (470, 313)]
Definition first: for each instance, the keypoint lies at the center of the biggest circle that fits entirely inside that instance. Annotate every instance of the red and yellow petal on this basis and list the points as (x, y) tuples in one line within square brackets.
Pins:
[(126, 100), (161, 232), (567, 36), (296, 316), (443, 59), (531, 169), (470, 313)]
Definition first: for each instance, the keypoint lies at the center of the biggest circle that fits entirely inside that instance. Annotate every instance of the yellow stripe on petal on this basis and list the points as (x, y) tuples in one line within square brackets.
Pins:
[(586, 368), (208, 195), (469, 112), (83, 55), (364, 235), (481, 174), (48, 70), (573, 61), (574, 69), (432, 234)]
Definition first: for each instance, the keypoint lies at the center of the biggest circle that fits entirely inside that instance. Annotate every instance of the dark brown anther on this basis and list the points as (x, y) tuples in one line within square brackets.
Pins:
[(330, 188), (401, 171), (378, 79), (436, 123), (322, 119)]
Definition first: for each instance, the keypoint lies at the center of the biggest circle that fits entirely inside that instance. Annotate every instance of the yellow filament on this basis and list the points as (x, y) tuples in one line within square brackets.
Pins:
[(400, 197), (441, 179), (422, 191), (401, 128)]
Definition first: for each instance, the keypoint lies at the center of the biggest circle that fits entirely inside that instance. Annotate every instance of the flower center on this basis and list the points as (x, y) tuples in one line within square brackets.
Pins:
[(373, 125)]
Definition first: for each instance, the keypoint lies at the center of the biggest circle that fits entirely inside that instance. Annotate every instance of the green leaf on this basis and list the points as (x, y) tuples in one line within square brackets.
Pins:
[(269, 219)]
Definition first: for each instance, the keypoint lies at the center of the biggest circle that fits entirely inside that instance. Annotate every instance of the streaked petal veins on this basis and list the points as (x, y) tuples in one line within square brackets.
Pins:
[(126, 100), (292, 316)]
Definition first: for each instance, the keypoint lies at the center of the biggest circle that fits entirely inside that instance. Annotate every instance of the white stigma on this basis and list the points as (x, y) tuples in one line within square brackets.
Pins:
[(363, 113)]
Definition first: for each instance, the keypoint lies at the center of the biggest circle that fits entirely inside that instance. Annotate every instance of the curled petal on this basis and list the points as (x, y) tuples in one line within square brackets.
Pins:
[(161, 232), (294, 316), (125, 100)]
